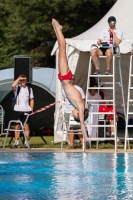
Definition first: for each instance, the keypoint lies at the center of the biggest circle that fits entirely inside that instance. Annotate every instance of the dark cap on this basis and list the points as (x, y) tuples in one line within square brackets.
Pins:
[(111, 18)]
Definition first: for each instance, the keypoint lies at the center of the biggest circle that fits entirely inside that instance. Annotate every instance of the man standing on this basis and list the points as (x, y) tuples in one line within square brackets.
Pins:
[(68, 111), (112, 37), (24, 104)]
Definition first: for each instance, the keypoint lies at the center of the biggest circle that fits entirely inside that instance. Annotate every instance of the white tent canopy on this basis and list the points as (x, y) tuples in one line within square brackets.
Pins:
[(78, 51)]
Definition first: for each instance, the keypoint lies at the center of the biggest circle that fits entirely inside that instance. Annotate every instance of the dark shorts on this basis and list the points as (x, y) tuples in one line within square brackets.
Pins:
[(20, 116), (105, 49)]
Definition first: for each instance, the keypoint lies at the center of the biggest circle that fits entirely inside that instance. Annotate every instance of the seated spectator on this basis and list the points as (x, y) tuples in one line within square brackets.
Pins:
[(109, 108), (112, 36)]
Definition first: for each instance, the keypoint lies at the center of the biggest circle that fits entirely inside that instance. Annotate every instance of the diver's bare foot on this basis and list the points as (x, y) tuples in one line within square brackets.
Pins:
[(56, 25)]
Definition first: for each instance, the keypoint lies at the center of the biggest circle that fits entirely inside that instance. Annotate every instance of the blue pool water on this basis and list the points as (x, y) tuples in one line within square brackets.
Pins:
[(64, 176)]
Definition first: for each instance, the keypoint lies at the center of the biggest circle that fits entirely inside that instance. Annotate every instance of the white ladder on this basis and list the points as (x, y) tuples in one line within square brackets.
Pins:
[(129, 101), (113, 101)]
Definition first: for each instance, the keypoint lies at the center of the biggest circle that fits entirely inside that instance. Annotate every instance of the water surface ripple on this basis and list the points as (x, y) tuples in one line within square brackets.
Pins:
[(64, 176)]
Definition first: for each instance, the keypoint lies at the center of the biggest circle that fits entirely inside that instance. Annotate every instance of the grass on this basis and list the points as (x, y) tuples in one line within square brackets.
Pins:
[(37, 142)]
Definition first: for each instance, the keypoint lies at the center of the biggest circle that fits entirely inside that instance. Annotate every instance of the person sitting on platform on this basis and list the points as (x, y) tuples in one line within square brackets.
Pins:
[(112, 37), (109, 108)]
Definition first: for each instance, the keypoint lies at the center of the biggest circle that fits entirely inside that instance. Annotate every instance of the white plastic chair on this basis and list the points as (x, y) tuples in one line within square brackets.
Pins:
[(21, 130)]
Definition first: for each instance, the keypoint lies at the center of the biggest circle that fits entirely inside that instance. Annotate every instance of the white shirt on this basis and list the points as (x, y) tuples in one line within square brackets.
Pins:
[(22, 103), (68, 106), (95, 97), (105, 36)]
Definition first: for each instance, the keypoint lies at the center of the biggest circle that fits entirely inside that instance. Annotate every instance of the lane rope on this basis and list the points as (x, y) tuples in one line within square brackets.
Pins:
[(42, 109)]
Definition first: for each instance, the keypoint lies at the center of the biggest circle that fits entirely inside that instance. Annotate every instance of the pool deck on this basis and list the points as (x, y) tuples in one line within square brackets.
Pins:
[(58, 150), (76, 150)]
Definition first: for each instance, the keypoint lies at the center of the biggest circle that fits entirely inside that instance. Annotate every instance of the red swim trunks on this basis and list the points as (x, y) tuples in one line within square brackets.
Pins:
[(68, 76)]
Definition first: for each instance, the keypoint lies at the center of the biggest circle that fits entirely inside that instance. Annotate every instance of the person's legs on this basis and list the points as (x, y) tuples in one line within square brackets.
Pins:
[(109, 58), (26, 126), (95, 53), (23, 118), (63, 64), (27, 132), (71, 139), (17, 134), (81, 138), (112, 128), (112, 123), (17, 116)]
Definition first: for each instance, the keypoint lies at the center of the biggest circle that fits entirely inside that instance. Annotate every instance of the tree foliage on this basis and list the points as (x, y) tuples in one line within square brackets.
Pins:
[(26, 26)]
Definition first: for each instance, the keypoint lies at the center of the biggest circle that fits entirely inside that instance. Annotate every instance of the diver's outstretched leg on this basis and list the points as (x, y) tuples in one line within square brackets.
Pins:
[(62, 64)]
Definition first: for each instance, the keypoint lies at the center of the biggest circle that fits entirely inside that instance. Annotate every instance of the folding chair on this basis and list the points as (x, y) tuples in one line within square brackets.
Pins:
[(66, 129), (21, 130)]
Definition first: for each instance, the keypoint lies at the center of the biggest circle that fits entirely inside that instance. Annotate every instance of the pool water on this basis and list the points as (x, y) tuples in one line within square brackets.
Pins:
[(66, 176)]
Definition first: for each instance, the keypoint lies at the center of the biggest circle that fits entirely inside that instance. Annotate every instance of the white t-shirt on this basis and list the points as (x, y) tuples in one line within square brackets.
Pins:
[(68, 106), (95, 97), (105, 36), (22, 103)]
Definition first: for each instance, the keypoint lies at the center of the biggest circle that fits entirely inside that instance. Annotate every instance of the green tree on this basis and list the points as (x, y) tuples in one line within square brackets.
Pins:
[(26, 26)]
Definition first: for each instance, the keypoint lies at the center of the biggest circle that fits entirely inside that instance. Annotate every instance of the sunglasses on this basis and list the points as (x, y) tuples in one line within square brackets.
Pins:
[(111, 22)]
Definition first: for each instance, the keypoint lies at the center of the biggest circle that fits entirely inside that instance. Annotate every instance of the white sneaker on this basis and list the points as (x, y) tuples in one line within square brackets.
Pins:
[(25, 146), (15, 146)]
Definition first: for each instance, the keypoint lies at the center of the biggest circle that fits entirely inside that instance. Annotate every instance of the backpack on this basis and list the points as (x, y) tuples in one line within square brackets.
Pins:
[(15, 98)]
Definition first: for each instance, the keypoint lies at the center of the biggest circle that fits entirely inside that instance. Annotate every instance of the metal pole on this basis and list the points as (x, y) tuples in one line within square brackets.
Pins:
[(114, 104), (128, 97)]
